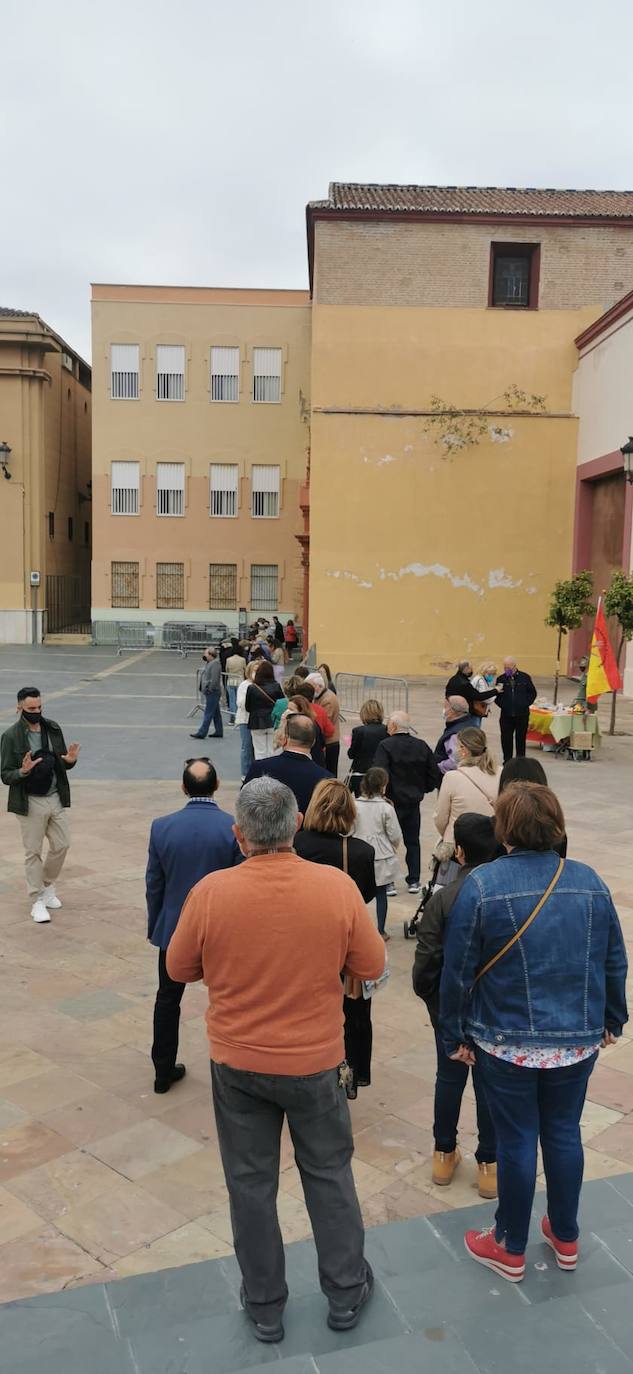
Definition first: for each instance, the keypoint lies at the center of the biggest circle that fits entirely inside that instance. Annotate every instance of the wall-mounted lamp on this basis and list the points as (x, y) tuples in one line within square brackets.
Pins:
[(627, 454), (5, 452)]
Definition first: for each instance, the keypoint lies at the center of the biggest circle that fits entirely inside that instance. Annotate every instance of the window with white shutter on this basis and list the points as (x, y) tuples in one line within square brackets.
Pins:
[(126, 483), (264, 583), (170, 372), (124, 372), (267, 374), (264, 492), (225, 374), (223, 489), (170, 488)]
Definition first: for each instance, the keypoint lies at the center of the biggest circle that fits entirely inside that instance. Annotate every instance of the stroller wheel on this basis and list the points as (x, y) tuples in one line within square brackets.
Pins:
[(406, 930)]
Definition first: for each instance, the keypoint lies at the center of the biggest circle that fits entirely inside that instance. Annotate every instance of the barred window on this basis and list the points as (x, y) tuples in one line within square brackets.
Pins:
[(264, 492), (170, 488), (267, 374), (264, 578), (223, 480), (170, 586), (170, 372), (124, 580), (223, 586), (225, 374), (126, 482), (124, 372)]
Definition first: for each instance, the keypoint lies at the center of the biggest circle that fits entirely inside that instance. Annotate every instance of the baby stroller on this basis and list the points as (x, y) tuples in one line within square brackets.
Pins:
[(411, 926)]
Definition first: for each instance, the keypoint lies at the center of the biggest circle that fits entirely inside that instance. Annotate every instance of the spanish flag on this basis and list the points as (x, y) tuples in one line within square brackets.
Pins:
[(603, 675)]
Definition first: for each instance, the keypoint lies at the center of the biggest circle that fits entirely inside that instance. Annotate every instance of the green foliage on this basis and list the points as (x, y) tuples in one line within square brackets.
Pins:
[(516, 399), (618, 601), (571, 602), (454, 429)]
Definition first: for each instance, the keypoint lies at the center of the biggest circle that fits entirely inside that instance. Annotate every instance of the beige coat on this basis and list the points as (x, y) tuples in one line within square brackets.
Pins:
[(466, 788)]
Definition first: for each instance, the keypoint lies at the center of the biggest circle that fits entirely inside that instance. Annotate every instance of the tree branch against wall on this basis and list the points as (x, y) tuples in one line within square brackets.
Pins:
[(570, 603), (618, 602), (453, 429)]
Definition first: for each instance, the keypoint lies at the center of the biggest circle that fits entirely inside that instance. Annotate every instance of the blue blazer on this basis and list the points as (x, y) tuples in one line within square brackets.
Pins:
[(183, 848)]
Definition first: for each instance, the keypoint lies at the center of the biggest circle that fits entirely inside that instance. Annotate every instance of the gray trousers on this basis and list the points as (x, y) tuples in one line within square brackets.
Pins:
[(249, 1113)]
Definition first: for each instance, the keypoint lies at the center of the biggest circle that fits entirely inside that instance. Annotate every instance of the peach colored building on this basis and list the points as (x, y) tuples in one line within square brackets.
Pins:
[(201, 408), (45, 503)]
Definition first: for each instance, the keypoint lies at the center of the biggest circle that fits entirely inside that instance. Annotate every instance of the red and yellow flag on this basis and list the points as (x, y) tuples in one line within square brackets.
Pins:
[(603, 675)]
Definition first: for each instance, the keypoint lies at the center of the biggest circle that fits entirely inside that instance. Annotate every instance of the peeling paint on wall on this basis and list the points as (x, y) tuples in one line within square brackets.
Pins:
[(432, 570), (350, 577), (499, 435), (498, 577)]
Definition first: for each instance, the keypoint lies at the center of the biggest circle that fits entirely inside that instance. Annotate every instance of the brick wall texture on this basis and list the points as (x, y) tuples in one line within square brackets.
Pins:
[(399, 263)]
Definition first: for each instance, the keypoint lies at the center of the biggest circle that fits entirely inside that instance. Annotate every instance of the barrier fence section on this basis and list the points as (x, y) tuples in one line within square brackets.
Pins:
[(353, 689), (120, 634)]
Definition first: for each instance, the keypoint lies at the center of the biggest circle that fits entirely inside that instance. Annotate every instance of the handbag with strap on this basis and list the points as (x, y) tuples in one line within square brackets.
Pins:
[(532, 917)]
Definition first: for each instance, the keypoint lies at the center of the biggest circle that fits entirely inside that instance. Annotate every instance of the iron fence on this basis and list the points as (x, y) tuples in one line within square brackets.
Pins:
[(67, 604), (354, 688), (121, 634)]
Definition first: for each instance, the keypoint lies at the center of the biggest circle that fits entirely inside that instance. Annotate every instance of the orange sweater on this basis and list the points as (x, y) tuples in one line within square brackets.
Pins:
[(270, 939)]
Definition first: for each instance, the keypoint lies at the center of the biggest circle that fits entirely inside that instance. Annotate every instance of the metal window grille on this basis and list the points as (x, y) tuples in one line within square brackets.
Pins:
[(225, 374), (223, 489), (170, 488), (67, 361), (170, 586), (267, 374), (126, 481), (125, 581), (124, 372), (511, 279), (170, 372), (222, 586), (264, 580), (264, 492)]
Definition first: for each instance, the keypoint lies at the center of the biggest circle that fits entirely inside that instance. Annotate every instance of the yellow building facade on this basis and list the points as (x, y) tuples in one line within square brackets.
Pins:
[(443, 433), (201, 406), (45, 501)]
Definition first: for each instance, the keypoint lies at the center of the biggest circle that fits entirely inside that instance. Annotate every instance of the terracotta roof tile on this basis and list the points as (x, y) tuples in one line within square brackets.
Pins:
[(6, 311), (477, 200)]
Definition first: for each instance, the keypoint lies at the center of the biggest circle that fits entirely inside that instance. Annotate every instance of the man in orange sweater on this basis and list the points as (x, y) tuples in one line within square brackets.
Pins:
[(270, 939)]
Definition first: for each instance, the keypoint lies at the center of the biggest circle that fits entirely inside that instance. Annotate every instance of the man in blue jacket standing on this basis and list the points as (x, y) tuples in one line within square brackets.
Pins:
[(183, 848)]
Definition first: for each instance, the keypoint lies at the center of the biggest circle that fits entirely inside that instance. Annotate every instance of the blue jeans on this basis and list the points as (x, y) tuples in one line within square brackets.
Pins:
[(450, 1081), (525, 1104), (231, 696), (246, 750), (213, 713), (381, 908)]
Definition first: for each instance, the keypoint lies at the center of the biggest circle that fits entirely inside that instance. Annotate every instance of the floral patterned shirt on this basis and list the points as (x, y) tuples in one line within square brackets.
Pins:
[(539, 1056)]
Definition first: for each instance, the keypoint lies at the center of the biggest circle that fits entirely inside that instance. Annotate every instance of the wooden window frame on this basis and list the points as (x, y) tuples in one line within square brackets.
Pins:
[(500, 249)]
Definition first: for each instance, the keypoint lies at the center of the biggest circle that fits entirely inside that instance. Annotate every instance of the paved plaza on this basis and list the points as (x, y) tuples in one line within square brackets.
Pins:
[(101, 1180)]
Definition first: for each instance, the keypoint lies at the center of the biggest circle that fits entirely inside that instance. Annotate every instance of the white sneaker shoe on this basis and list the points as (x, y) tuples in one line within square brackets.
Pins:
[(39, 912), (50, 899)]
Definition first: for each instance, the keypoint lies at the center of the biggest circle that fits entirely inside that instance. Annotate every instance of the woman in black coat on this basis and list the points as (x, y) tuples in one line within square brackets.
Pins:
[(365, 740), (260, 699), (325, 839)]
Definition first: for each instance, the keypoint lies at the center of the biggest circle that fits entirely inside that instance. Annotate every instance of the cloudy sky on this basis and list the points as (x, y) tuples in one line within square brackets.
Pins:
[(179, 140)]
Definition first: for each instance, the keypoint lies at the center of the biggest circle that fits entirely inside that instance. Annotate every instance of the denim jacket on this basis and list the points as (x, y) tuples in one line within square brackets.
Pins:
[(562, 983)]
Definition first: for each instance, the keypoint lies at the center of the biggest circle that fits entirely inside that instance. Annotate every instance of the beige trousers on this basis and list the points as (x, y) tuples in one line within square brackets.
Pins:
[(46, 819)]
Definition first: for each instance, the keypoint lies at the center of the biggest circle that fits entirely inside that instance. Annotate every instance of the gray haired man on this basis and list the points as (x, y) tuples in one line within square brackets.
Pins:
[(275, 1024), (211, 689)]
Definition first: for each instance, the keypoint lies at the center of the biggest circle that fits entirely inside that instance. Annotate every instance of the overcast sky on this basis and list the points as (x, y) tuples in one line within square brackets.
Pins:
[(178, 140)]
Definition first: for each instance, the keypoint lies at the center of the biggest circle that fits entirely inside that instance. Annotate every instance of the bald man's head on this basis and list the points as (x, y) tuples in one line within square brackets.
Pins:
[(456, 707), (199, 778), (399, 723)]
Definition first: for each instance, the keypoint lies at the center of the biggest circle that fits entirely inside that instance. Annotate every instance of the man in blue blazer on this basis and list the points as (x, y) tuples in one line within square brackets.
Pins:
[(183, 848)]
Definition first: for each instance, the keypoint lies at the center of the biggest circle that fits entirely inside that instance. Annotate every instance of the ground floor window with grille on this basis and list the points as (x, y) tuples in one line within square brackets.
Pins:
[(170, 586), (223, 586), (264, 579), (124, 577)]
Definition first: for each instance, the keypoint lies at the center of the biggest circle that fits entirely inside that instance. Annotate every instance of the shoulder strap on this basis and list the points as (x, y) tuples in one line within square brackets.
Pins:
[(468, 773), (345, 855), (539, 907)]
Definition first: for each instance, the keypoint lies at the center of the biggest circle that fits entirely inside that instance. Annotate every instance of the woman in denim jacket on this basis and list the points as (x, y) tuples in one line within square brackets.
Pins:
[(536, 1018)]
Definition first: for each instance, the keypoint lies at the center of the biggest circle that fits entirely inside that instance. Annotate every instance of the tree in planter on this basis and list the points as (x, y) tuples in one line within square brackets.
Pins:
[(570, 603), (618, 602)]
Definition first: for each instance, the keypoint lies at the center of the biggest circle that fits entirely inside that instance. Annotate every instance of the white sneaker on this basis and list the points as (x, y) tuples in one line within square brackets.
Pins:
[(39, 912), (413, 887), (50, 899), (392, 891)]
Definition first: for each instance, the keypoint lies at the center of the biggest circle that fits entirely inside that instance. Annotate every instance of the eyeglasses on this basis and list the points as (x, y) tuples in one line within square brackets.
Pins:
[(200, 758)]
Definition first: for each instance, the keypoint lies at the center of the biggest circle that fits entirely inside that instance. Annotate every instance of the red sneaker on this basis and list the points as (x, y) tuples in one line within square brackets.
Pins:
[(566, 1251), (482, 1246)]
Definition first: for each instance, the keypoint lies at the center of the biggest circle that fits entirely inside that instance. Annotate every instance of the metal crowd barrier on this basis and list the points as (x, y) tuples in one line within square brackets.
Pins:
[(186, 637), (122, 634), (310, 658), (353, 689)]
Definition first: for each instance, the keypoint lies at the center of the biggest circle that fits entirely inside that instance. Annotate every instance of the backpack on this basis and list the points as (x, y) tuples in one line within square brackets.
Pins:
[(38, 782)]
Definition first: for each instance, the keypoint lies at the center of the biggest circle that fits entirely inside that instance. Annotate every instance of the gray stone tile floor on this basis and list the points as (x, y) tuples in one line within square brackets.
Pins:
[(433, 1310)]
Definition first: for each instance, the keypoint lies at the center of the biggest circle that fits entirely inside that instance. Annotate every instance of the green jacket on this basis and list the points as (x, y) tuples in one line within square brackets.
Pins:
[(13, 746)]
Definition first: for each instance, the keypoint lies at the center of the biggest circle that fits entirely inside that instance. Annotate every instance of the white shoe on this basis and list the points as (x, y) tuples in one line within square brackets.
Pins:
[(392, 891), (39, 912), (50, 899), (414, 887)]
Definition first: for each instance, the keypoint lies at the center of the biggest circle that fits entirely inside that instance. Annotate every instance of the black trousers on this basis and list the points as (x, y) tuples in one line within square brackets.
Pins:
[(513, 727), (166, 1019), (331, 758), (358, 1039), (450, 1081), (409, 818)]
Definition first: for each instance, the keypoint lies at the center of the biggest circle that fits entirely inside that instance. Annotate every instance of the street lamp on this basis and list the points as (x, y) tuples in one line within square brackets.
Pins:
[(627, 455), (4, 459)]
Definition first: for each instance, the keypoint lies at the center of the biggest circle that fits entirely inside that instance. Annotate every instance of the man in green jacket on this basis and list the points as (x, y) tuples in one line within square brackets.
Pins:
[(34, 766)]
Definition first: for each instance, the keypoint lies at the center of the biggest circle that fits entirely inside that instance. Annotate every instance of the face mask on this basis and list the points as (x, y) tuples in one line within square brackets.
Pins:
[(32, 717), (489, 677), (508, 672)]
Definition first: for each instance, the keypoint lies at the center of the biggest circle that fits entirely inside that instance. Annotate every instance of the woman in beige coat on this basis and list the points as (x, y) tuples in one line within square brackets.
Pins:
[(472, 787)]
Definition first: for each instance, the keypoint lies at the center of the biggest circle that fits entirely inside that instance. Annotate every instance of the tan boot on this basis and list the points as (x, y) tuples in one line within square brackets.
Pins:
[(487, 1181), (444, 1166)]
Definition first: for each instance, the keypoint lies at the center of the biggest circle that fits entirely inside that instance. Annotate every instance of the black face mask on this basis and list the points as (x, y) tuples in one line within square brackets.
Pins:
[(32, 717)]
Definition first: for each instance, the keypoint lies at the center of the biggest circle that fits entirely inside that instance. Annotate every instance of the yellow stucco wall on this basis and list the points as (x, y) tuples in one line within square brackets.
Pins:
[(419, 557)]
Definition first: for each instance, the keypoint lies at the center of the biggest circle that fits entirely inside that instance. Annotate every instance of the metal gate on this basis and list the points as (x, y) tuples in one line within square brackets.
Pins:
[(355, 688), (67, 604)]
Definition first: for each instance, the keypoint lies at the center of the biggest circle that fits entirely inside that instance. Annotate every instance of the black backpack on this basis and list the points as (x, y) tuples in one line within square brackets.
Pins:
[(38, 782)]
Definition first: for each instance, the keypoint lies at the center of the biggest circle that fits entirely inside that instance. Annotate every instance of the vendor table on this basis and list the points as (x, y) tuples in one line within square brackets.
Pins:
[(555, 727)]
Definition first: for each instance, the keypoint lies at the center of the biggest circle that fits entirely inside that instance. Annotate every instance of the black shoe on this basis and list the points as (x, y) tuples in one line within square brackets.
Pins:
[(267, 1333), (162, 1085), (341, 1320), (197, 737)]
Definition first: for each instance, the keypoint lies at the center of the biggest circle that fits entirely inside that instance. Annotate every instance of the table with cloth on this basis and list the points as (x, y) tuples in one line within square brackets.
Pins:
[(547, 726)]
